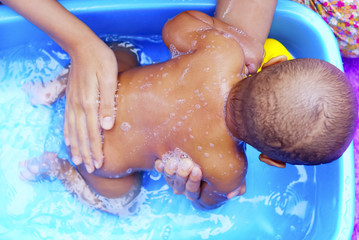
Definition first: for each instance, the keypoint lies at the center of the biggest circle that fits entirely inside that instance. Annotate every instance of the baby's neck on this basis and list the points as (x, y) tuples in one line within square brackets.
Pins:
[(231, 118)]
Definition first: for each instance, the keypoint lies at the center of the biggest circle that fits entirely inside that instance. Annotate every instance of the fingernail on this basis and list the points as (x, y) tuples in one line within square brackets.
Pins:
[(251, 68), (107, 123), (160, 166), (97, 164), (232, 194), (172, 164), (245, 70), (185, 166), (89, 168), (76, 160), (67, 142), (195, 171), (229, 195)]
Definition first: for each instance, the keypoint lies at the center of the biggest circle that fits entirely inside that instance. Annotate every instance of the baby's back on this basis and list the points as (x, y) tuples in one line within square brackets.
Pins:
[(179, 104)]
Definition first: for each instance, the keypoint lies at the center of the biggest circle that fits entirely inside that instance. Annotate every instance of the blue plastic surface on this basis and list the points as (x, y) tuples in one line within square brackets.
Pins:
[(298, 28)]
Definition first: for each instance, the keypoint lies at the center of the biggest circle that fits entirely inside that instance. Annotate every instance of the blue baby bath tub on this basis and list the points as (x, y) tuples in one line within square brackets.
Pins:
[(298, 202)]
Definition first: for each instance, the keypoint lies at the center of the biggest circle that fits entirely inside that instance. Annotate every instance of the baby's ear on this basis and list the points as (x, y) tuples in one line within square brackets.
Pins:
[(271, 162), (275, 60)]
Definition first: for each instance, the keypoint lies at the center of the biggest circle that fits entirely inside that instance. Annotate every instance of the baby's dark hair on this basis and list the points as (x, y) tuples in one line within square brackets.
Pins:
[(302, 111)]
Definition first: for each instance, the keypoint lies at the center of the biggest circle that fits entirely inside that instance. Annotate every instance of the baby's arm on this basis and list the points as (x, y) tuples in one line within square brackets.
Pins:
[(214, 195), (50, 167), (93, 75), (46, 93)]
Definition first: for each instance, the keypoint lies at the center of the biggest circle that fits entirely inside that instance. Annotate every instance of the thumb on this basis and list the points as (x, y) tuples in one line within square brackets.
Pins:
[(251, 68)]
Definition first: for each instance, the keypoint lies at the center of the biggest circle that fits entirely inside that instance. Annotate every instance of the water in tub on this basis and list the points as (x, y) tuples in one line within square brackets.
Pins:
[(278, 202)]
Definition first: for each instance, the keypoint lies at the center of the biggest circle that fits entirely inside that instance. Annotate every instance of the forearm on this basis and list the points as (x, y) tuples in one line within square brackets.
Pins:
[(209, 198), (93, 75), (51, 17), (76, 185), (253, 17)]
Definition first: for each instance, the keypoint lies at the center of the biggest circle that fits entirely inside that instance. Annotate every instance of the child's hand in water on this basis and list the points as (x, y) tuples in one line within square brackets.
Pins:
[(90, 101), (185, 177)]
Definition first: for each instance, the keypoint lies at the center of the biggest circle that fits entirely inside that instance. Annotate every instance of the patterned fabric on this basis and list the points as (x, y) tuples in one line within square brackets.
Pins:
[(343, 18)]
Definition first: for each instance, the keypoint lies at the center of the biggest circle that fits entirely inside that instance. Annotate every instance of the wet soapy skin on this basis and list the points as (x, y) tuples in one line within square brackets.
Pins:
[(286, 196)]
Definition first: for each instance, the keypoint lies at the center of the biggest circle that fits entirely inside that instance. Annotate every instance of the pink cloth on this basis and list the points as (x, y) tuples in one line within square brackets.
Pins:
[(351, 68)]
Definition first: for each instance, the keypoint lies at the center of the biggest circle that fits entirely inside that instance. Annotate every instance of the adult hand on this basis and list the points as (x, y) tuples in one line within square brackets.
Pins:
[(252, 48), (184, 176), (93, 76), (254, 19), (253, 55), (90, 103)]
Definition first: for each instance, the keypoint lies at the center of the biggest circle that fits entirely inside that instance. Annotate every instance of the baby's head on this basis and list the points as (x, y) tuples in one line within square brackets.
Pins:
[(301, 111)]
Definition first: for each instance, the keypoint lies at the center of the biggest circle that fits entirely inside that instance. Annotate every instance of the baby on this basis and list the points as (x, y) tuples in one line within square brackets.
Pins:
[(197, 105)]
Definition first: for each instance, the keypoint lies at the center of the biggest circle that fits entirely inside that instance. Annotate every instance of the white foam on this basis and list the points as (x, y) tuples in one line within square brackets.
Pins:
[(183, 74), (180, 101), (125, 126), (177, 154), (146, 86), (174, 51), (184, 117)]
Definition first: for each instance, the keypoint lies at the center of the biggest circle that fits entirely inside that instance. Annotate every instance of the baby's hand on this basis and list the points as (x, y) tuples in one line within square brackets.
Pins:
[(90, 101), (184, 176)]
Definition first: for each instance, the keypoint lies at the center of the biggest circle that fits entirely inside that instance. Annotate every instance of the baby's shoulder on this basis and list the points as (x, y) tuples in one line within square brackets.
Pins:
[(225, 169), (220, 47)]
